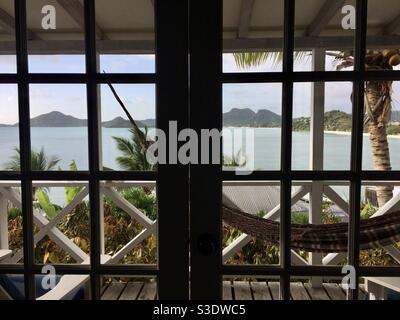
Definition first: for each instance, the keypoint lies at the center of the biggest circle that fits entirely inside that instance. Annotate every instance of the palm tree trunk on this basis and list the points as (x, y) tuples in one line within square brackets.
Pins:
[(378, 138)]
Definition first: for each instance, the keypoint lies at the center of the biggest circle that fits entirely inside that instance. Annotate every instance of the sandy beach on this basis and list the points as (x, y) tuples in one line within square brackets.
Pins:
[(348, 133)]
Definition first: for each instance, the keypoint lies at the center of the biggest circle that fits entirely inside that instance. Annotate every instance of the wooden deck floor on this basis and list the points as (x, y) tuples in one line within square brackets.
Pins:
[(237, 290)]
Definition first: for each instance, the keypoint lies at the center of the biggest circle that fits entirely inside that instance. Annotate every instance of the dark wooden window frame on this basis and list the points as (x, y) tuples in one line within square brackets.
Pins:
[(205, 111)]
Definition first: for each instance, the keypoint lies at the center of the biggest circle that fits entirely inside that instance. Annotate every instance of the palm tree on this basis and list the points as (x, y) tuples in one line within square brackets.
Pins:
[(133, 152), (377, 101), (378, 107), (39, 161)]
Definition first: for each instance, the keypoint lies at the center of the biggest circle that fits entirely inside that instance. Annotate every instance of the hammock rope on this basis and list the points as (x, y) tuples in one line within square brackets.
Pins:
[(374, 232)]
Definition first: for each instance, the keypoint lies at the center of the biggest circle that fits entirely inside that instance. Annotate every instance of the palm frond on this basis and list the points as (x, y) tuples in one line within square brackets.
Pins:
[(253, 59)]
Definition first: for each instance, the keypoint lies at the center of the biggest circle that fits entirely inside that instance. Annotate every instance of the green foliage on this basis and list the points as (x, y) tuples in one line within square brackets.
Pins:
[(299, 218), (39, 161), (141, 199), (393, 129), (72, 192), (133, 156), (301, 124), (44, 201), (234, 161), (335, 120), (367, 210), (13, 213), (254, 59)]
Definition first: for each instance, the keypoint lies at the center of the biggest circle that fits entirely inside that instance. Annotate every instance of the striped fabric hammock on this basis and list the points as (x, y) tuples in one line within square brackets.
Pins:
[(374, 232)]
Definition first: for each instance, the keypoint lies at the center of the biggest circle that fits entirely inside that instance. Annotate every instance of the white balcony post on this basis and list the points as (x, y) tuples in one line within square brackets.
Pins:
[(100, 137), (3, 223), (317, 152)]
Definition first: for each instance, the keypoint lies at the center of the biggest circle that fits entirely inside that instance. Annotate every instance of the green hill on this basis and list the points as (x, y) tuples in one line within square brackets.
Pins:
[(333, 121)]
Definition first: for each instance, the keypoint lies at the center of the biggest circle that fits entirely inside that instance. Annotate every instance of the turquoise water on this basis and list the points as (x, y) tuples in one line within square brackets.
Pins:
[(72, 144)]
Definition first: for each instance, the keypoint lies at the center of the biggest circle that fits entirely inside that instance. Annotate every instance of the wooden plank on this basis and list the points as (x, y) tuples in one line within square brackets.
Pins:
[(316, 293), (113, 291), (131, 291), (246, 11), (393, 27), (4, 254), (149, 291), (334, 291), (230, 45), (242, 290), (76, 11), (324, 16), (298, 292), (260, 290), (274, 288), (7, 22), (227, 290)]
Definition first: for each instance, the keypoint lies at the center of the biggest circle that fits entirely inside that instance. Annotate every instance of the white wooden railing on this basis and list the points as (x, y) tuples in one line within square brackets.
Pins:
[(8, 193)]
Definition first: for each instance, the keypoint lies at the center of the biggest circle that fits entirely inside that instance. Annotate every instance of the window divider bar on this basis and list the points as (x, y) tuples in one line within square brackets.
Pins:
[(25, 146), (356, 144), (286, 150), (94, 147)]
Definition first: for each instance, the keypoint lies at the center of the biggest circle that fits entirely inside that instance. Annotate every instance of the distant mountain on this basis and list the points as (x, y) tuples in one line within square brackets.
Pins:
[(333, 121), (266, 118), (59, 119), (247, 117), (120, 122), (236, 117)]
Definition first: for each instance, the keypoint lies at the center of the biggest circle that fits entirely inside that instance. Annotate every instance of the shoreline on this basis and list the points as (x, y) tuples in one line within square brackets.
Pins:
[(348, 133)]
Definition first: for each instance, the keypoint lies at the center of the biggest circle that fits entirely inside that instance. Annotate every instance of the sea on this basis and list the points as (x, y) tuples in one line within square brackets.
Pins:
[(71, 144)]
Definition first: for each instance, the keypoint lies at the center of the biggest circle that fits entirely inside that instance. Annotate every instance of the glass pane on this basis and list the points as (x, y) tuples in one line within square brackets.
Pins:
[(260, 199), (379, 288), (321, 29), (9, 129), (381, 126), (65, 206), (374, 203), (321, 205), (130, 214), (325, 143), (125, 36), (57, 28), (8, 59), (120, 149), (252, 125), (59, 126), (11, 239), (252, 35), (80, 287), (383, 43)]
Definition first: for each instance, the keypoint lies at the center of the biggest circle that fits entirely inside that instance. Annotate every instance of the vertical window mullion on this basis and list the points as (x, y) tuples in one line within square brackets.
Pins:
[(356, 143), (286, 150), (94, 155), (25, 146)]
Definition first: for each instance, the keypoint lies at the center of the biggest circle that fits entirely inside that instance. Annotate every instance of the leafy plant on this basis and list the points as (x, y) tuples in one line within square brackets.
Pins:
[(133, 156), (72, 192), (141, 199), (234, 161), (13, 213), (50, 209), (39, 161)]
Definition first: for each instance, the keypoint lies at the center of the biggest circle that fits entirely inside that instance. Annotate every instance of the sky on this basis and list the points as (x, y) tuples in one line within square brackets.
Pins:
[(140, 98)]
